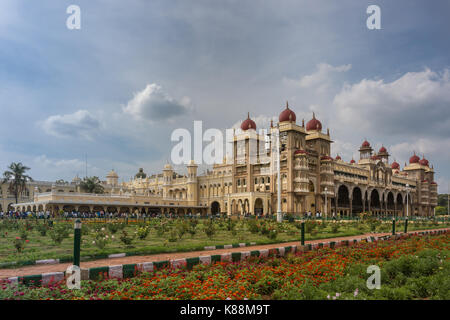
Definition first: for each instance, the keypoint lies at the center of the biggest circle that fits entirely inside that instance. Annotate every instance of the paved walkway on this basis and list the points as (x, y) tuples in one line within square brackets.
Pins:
[(39, 269)]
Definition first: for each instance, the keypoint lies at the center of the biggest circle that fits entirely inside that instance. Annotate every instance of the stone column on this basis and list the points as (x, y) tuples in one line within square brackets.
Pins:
[(351, 206)]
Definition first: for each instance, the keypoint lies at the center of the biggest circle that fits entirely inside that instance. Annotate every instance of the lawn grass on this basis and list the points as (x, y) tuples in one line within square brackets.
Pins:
[(42, 247)]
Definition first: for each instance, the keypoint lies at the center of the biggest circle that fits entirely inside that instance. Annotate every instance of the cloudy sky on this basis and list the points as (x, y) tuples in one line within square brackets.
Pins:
[(114, 90)]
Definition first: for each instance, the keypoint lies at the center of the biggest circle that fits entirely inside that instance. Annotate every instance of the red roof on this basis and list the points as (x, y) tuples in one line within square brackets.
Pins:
[(395, 165), (314, 124), (424, 162), (287, 115), (365, 144), (382, 150), (414, 159), (248, 124)]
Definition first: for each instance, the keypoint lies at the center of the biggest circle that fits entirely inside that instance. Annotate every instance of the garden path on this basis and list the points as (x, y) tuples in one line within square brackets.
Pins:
[(39, 269)]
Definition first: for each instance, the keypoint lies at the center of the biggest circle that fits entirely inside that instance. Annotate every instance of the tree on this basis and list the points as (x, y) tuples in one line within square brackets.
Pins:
[(16, 178), (91, 185)]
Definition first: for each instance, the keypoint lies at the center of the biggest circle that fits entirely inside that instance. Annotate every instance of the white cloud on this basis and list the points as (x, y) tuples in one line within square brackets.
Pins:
[(153, 104), (62, 168), (80, 124), (321, 78), (416, 103)]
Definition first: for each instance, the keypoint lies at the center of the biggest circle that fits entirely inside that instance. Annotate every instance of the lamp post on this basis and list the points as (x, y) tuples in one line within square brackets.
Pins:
[(407, 208), (326, 207), (77, 243), (303, 233), (279, 214)]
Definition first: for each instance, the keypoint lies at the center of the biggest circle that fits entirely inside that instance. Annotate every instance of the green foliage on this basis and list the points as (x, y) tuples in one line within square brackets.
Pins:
[(113, 227), (58, 233), (42, 228), (91, 185), (441, 210), (19, 244), (182, 228), (16, 179), (192, 227), (209, 228), (253, 226), (173, 235), (142, 232), (335, 227), (126, 238), (101, 238)]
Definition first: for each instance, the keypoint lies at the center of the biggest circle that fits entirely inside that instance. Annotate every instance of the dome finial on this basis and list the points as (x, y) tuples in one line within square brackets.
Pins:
[(248, 115), (287, 104), (314, 115)]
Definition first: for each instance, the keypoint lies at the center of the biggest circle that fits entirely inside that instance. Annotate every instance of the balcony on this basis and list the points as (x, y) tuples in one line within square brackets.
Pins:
[(326, 183), (301, 189), (300, 167)]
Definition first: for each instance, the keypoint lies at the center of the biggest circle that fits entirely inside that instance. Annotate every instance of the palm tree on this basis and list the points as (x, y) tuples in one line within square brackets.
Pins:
[(91, 185), (16, 178)]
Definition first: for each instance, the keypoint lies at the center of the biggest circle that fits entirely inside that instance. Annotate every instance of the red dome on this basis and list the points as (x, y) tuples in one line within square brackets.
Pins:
[(375, 157), (326, 158), (424, 162), (414, 159), (287, 115), (395, 165), (248, 124), (352, 161), (338, 157), (314, 124), (365, 144), (382, 150)]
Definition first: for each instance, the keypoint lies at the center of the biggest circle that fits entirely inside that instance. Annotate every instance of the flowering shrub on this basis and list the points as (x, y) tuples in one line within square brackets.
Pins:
[(142, 232), (126, 238), (113, 227), (19, 244), (101, 238), (209, 229), (58, 233)]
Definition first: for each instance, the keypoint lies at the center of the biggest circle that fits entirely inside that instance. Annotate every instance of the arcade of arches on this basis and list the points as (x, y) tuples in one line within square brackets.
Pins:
[(353, 200)]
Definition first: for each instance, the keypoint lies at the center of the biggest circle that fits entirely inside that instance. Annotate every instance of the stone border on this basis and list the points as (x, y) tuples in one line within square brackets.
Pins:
[(130, 270)]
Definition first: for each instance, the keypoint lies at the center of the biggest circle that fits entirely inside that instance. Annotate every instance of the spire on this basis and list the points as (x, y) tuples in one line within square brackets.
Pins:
[(271, 123), (287, 104), (303, 122), (314, 115), (248, 115)]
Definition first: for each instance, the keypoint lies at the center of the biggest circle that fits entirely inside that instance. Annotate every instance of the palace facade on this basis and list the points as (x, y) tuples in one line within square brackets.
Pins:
[(311, 180)]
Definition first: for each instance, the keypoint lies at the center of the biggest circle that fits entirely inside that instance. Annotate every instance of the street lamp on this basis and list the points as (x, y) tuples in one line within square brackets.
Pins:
[(326, 189), (77, 243), (407, 208), (279, 214)]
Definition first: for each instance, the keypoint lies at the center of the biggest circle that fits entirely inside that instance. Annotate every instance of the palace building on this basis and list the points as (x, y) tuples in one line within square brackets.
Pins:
[(311, 180)]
